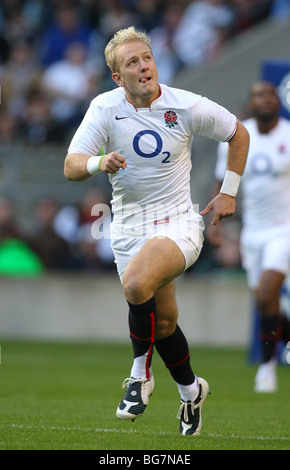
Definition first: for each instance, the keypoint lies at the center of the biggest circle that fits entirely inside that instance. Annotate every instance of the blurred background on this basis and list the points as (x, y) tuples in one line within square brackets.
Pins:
[(57, 281)]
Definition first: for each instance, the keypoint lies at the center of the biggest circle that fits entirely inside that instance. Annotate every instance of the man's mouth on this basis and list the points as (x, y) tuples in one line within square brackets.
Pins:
[(145, 79)]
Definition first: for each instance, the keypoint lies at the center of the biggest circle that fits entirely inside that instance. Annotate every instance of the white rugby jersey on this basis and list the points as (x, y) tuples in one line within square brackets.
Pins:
[(156, 143), (265, 183)]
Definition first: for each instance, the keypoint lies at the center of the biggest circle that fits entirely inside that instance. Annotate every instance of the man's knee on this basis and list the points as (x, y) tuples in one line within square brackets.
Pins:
[(267, 300), (268, 292), (136, 288), (165, 327)]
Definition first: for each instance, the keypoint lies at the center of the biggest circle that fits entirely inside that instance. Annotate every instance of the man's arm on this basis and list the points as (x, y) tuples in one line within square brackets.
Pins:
[(224, 205), (238, 150), (80, 167), (75, 167)]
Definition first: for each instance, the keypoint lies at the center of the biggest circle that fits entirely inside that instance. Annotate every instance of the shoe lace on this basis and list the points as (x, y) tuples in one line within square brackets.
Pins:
[(131, 380), (184, 409)]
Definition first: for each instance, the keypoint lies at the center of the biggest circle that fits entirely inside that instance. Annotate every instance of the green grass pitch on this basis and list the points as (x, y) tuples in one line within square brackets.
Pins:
[(63, 396)]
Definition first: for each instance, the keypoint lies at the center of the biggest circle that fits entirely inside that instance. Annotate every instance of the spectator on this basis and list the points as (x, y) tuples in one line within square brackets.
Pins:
[(227, 252), (34, 13), (149, 14), (51, 248), (96, 251), (70, 85), (66, 28), (19, 75), (249, 12), (66, 224), (8, 129), (201, 31), (162, 42), (90, 247), (95, 56), (114, 17), (8, 226), (13, 22), (38, 125)]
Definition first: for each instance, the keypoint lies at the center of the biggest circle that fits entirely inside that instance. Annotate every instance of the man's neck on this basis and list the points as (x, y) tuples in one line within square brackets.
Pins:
[(266, 125), (141, 101)]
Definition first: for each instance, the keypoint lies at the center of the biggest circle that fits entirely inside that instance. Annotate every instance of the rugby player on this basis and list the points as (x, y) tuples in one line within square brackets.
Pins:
[(265, 237), (146, 129)]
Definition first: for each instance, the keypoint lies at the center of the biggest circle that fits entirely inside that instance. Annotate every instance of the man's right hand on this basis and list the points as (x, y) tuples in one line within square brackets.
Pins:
[(113, 162)]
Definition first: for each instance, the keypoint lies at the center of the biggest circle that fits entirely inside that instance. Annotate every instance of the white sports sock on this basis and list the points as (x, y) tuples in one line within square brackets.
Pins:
[(138, 370), (267, 368), (188, 392)]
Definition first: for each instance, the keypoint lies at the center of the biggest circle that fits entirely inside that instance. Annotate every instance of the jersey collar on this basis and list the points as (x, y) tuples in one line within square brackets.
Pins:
[(152, 105)]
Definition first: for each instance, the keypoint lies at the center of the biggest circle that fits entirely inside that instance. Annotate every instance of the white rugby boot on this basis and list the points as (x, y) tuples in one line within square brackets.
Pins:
[(136, 397), (190, 412)]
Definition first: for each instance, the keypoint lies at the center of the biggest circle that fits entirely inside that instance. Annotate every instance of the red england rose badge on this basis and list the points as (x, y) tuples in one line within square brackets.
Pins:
[(170, 119)]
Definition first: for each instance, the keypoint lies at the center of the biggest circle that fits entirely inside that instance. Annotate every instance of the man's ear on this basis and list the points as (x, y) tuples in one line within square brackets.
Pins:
[(117, 79)]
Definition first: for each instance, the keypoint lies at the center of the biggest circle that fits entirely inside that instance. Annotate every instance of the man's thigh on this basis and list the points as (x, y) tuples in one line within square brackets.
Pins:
[(158, 262), (184, 231), (267, 250)]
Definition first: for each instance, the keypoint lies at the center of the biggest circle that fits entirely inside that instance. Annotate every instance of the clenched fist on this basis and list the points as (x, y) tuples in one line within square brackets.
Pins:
[(112, 162)]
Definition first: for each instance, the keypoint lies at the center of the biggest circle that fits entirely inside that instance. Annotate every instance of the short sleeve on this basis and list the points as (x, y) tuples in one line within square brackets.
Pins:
[(214, 121), (92, 133)]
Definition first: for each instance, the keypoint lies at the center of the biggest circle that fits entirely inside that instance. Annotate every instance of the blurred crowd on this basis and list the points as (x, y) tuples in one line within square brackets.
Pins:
[(52, 61), (75, 238), (52, 65), (57, 237)]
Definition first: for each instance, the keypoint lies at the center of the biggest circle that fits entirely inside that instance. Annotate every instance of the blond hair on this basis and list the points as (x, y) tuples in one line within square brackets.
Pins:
[(122, 37)]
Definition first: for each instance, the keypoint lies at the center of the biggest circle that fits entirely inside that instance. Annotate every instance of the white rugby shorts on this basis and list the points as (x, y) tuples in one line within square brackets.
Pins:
[(186, 230), (267, 249)]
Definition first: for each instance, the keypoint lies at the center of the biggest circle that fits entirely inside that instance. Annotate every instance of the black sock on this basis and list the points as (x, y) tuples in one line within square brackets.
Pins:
[(285, 329), (271, 333), (142, 324), (175, 353)]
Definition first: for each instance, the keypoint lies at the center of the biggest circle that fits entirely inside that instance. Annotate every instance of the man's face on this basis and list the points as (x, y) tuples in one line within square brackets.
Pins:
[(264, 101), (137, 73)]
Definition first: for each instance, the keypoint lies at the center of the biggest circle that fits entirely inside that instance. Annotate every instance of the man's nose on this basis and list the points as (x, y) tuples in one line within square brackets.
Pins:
[(144, 65)]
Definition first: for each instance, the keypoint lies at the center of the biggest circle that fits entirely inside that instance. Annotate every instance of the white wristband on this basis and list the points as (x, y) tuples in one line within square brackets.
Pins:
[(231, 183), (94, 164)]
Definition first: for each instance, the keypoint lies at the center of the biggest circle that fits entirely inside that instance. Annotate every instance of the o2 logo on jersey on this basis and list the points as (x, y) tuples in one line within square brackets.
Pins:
[(261, 164), (158, 148)]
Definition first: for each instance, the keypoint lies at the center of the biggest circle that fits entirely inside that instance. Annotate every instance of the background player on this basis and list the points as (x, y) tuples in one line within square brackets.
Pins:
[(147, 131), (265, 238)]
